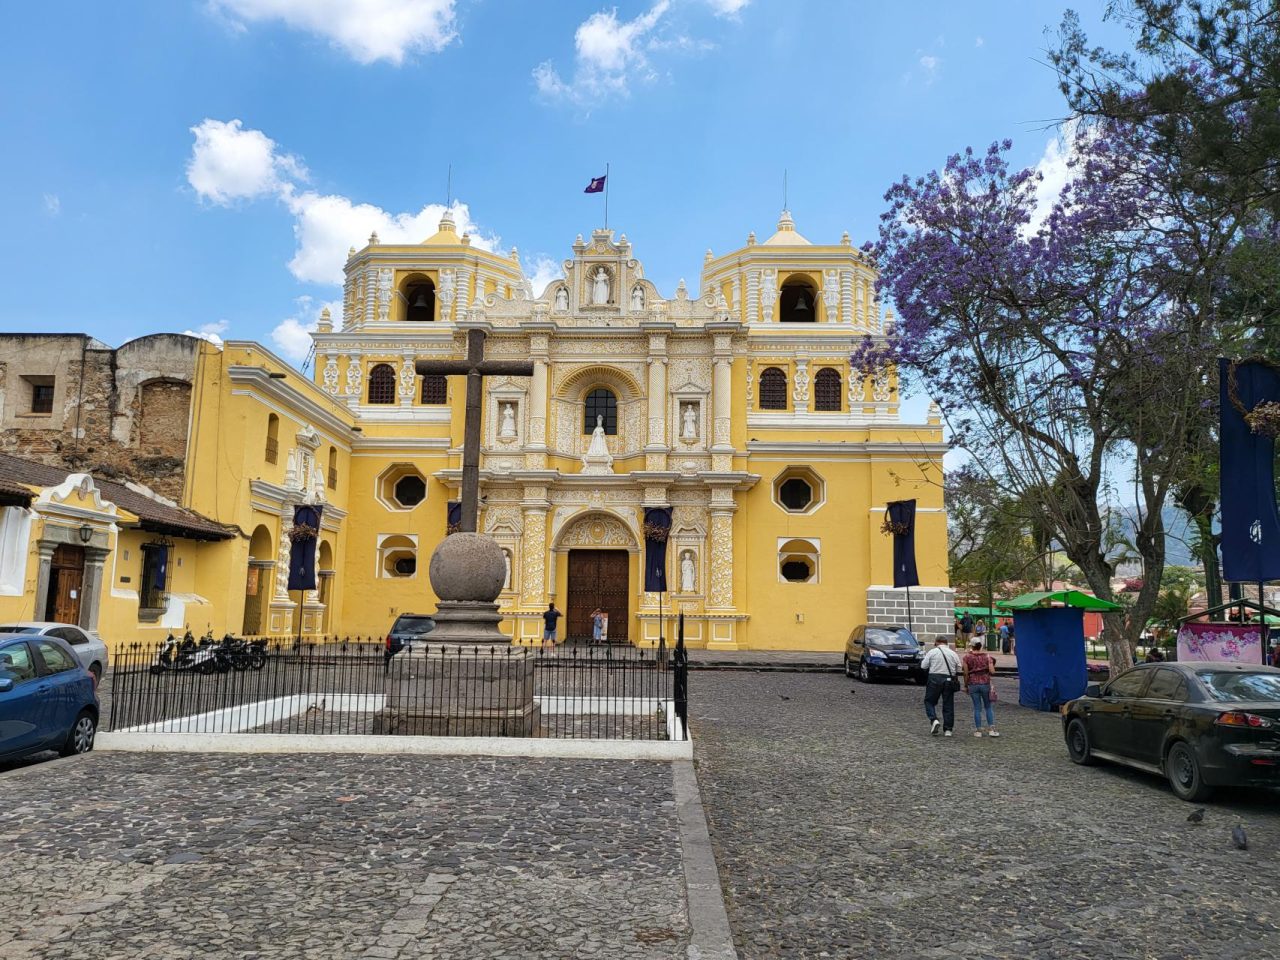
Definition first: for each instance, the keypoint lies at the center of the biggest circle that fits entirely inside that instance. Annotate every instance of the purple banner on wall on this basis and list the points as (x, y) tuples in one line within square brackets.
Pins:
[(305, 536), (1220, 642)]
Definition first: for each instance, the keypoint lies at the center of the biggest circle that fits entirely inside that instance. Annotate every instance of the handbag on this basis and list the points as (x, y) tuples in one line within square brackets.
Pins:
[(953, 684)]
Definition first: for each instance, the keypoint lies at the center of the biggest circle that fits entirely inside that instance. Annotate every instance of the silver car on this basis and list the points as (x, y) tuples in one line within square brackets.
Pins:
[(88, 647)]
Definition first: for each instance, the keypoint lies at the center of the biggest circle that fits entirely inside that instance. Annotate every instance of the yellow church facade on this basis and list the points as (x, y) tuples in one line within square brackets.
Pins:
[(736, 408)]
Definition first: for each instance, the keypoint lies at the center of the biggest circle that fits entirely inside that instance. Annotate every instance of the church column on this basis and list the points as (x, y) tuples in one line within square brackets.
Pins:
[(534, 586), (720, 594), (657, 402), (722, 394), (536, 440)]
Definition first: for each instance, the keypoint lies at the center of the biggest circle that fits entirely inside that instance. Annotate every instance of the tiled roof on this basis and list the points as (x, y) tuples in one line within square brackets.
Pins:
[(152, 514), (14, 494)]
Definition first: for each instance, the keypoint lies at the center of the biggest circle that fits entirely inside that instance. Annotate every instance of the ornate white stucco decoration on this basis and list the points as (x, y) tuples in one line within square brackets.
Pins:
[(384, 293), (801, 392), (407, 377), (445, 292), (831, 293), (880, 389), (768, 292), (331, 374), (597, 530), (355, 376)]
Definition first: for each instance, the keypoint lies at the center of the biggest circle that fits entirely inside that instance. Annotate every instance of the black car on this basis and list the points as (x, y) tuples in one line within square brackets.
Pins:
[(877, 651), (408, 628), (1201, 725)]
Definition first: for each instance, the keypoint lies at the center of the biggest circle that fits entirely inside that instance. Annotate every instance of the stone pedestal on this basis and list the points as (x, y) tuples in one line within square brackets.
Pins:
[(466, 679), (461, 690)]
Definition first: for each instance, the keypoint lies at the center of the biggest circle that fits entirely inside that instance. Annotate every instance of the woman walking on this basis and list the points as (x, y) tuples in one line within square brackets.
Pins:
[(978, 669)]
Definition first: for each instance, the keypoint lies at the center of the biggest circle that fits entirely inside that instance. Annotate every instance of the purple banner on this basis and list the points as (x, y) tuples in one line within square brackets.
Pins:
[(1220, 642)]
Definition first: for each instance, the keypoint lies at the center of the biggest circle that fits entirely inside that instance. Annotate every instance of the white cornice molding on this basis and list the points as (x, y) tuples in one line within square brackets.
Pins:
[(283, 393), (855, 449), (368, 446)]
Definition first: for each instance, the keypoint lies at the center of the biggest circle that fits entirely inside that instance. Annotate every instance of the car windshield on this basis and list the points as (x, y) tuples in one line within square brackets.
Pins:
[(413, 625), (17, 629), (899, 638), (1230, 686)]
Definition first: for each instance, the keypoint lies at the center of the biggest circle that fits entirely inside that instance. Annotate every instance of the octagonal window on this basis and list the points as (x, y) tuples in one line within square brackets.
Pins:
[(798, 490), (410, 490), (798, 560), (401, 486)]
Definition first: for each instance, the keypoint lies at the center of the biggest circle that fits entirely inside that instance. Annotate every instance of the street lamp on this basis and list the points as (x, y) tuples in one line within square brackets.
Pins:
[(86, 533)]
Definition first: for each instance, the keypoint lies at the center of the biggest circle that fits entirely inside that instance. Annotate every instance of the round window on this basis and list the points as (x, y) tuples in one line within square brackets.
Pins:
[(797, 571), (795, 494), (410, 491), (406, 566)]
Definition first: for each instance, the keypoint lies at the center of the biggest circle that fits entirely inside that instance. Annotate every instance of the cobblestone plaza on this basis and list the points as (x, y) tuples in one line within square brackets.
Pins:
[(839, 826)]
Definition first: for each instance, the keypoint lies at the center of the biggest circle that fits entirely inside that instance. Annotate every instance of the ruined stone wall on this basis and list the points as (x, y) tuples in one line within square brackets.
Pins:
[(120, 414)]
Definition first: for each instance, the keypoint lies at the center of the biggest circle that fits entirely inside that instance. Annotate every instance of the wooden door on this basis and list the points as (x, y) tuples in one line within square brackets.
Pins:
[(66, 584), (598, 578)]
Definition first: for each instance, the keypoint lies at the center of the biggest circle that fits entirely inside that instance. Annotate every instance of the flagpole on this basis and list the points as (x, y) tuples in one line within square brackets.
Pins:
[(606, 195)]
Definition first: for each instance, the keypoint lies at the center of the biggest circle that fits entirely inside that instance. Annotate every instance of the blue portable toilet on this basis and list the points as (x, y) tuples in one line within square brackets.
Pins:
[(1050, 652)]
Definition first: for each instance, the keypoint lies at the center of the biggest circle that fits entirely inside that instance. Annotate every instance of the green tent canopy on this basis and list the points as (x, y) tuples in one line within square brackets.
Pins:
[(979, 612), (1072, 598)]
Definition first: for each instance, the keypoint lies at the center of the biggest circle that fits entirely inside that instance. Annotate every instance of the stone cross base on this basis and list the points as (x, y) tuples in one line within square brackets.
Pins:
[(460, 690)]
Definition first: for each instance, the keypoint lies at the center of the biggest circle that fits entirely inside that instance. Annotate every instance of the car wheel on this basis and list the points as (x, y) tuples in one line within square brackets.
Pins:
[(1183, 770), (1078, 745), (80, 739), (864, 672), (847, 671), (96, 670)]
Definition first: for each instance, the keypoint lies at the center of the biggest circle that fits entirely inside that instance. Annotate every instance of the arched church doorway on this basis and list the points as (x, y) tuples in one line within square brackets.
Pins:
[(324, 583), (598, 578), (258, 581)]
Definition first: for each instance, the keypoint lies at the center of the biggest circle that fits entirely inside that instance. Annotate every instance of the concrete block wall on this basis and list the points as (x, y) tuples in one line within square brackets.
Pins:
[(932, 609)]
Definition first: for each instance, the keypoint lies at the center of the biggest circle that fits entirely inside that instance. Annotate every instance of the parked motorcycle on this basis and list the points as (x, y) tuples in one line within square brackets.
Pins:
[(177, 655), (244, 655)]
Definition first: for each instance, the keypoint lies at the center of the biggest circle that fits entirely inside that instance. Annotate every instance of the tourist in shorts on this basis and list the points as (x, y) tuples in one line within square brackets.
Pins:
[(979, 667), (549, 618)]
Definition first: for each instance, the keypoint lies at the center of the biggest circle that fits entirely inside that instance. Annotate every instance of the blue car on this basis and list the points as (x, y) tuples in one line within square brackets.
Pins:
[(47, 698)]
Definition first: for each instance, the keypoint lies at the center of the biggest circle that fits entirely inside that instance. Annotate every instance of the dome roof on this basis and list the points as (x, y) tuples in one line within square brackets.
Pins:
[(786, 235), (446, 235)]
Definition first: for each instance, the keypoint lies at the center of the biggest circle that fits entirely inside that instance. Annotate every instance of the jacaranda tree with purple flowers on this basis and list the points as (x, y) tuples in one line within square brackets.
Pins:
[(1064, 356)]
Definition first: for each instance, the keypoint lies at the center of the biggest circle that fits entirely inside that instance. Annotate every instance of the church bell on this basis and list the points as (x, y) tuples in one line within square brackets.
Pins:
[(801, 303), (420, 301)]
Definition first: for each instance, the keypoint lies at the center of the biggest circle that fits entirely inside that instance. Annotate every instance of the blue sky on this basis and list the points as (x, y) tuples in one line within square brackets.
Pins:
[(199, 165)]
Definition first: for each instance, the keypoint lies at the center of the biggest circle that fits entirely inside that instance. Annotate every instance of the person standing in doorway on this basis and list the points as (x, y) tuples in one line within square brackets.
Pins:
[(942, 665), (549, 618), (597, 625), (979, 667)]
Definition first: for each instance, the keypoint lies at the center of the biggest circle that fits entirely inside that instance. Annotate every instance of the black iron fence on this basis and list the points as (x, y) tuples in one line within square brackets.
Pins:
[(353, 686)]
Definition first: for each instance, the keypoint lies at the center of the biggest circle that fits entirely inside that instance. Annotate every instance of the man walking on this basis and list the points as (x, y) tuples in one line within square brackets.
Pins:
[(966, 629), (942, 664), (549, 618)]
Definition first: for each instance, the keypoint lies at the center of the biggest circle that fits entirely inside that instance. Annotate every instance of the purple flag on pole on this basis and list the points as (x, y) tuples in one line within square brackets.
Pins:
[(596, 185)]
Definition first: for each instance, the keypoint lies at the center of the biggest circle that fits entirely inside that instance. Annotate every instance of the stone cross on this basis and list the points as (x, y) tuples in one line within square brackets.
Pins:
[(476, 368)]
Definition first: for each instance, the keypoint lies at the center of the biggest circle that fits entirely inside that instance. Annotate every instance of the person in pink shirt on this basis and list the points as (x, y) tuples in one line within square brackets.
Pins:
[(979, 667)]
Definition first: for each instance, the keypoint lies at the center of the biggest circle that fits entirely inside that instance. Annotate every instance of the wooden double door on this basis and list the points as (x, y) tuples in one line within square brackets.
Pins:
[(598, 578), (66, 584)]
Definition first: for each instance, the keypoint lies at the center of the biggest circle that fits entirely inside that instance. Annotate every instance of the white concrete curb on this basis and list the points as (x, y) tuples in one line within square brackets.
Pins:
[(390, 745)]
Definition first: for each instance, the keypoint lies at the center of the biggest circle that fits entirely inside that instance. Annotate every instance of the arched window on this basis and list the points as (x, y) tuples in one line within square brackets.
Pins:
[(797, 302), (273, 438), (382, 384), (435, 389), (602, 404), (826, 390), (333, 468), (420, 301), (773, 389)]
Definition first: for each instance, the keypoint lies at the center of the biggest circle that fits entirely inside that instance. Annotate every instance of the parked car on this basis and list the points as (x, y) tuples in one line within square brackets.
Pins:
[(88, 647), (47, 698), (877, 651), (1200, 725), (408, 628)]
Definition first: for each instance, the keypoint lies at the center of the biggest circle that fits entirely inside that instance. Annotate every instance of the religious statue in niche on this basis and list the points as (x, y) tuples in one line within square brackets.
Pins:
[(689, 428), (600, 288), (597, 460), (562, 299), (637, 297), (688, 581), (506, 558), (507, 429)]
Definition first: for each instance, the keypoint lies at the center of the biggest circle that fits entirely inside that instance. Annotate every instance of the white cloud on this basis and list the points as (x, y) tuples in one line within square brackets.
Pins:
[(930, 64), (727, 8), (541, 271), (1056, 169), (979, 42), (231, 163), (609, 56), (367, 30), (326, 226), (292, 336), (210, 331), (52, 205)]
